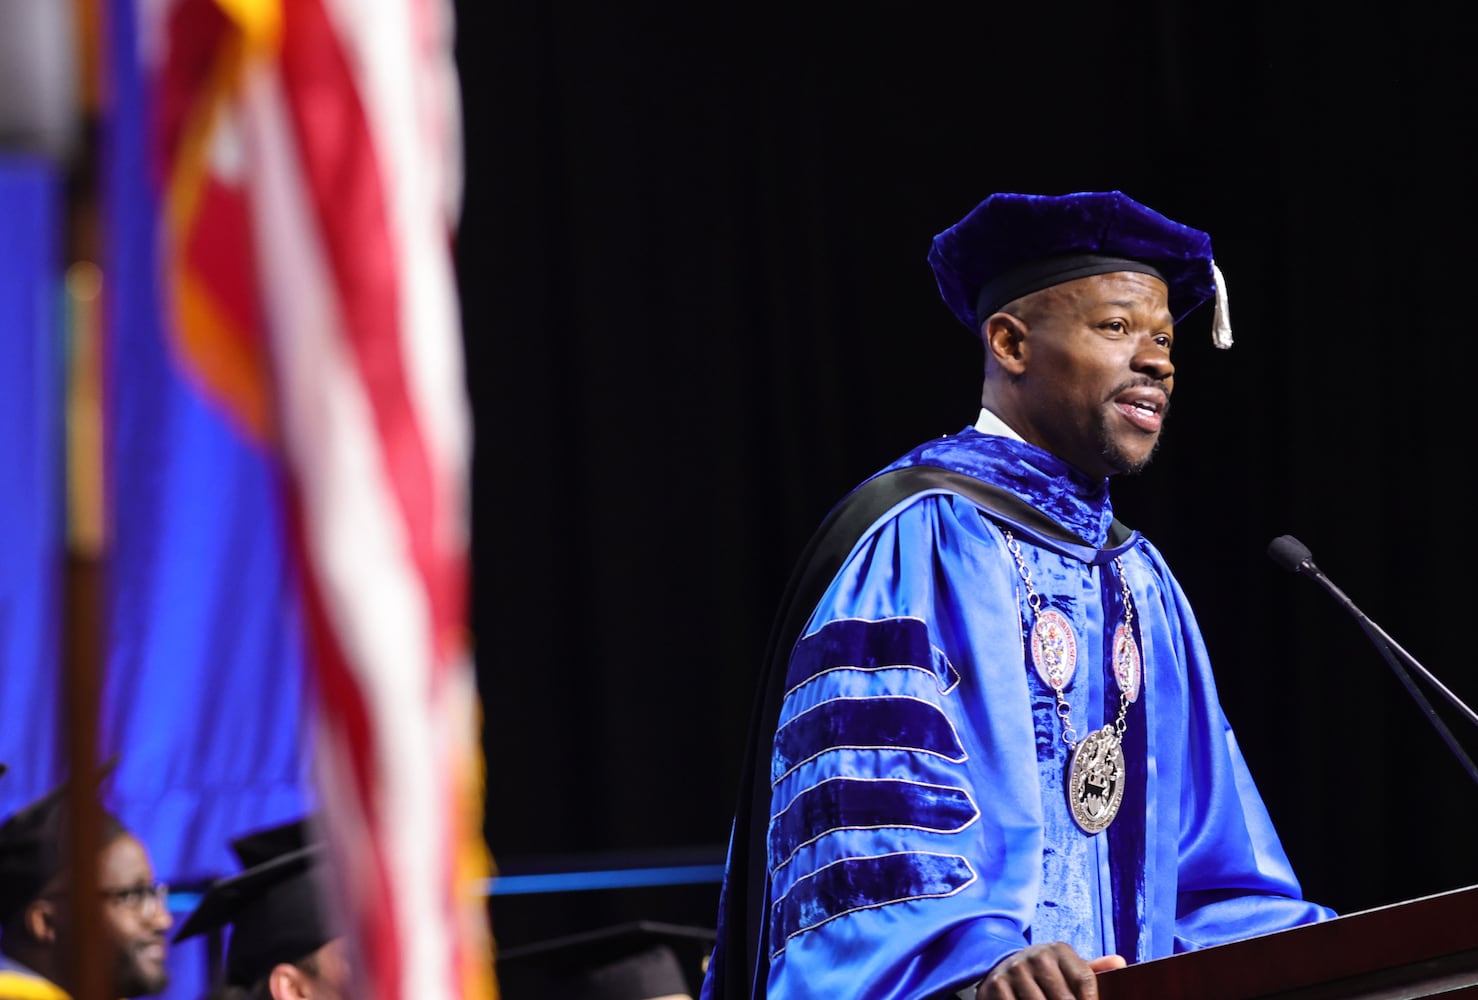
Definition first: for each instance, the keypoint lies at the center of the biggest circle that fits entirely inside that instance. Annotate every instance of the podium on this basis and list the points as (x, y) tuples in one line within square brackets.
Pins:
[(1420, 948)]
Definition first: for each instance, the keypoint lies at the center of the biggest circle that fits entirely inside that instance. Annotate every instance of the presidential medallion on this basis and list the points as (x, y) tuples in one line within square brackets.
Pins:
[(1095, 773), (1095, 781)]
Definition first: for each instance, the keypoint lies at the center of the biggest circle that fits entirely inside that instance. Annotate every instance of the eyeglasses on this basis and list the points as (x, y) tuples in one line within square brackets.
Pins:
[(142, 898)]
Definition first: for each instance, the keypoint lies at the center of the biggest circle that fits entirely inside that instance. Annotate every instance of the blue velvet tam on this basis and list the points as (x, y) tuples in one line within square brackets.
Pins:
[(1013, 244)]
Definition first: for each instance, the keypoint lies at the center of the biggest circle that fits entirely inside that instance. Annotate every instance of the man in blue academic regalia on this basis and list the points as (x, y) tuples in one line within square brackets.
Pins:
[(989, 759)]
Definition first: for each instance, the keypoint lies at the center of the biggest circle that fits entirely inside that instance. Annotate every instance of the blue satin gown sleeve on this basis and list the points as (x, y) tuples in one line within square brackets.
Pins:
[(905, 831)]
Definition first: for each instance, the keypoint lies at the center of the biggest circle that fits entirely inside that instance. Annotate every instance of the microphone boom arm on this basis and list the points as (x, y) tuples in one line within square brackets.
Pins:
[(1289, 553), (1389, 650), (1381, 638)]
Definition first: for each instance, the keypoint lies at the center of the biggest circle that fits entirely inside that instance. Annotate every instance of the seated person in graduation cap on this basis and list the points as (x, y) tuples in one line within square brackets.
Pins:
[(37, 932), (283, 943), (642, 960)]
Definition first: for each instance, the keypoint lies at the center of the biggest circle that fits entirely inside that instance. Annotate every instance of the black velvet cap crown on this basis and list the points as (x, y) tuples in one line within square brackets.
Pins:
[(274, 906), (1013, 244), (253, 848)]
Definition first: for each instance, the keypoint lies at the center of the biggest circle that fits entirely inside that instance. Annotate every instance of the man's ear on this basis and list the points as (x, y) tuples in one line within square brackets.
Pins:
[(40, 919), (1005, 342), (287, 982)]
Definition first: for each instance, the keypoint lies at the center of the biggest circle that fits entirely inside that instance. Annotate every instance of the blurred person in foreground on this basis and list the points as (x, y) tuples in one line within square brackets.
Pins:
[(284, 942), (989, 759), (37, 933)]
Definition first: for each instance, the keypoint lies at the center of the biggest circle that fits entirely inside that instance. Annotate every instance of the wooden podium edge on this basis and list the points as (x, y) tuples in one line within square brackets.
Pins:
[(1413, 941)]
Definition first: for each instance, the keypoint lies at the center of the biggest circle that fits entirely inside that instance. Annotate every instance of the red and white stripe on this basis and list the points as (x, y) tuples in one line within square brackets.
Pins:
[(349, 137)]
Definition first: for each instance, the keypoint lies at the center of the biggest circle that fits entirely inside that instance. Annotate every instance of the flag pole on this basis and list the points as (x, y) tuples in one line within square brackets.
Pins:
[(85, 557)]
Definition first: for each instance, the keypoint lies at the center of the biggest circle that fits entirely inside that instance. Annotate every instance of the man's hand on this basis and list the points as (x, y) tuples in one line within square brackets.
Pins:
[(1046, 972)]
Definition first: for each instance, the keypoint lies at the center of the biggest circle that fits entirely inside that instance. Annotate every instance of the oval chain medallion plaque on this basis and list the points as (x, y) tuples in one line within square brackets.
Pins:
[(1095, 780), (1127, 668), (1054, 650)]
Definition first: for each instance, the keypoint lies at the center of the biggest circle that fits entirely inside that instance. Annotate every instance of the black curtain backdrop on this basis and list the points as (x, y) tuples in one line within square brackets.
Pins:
[(698, 310)]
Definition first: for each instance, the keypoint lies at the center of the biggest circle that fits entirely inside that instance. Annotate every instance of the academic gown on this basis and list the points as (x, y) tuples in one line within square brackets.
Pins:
[(20, 983), (919, 827)]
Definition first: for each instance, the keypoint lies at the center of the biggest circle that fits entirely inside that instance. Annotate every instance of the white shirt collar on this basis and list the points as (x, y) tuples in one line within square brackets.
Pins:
[(989, 423)]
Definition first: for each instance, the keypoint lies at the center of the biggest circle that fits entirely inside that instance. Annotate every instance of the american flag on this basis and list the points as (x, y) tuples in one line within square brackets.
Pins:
[(308, 160)]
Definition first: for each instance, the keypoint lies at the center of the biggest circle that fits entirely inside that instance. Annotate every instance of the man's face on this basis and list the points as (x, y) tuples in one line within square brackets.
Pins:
[(135, 918), (1096, 379)]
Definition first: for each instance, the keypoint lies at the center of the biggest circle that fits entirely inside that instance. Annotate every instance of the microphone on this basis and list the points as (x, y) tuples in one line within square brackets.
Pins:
[(1291, 554)]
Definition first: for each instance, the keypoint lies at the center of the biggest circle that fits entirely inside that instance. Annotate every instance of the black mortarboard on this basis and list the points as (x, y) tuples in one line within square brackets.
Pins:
[(275, 908), (253, 848), (1013, 244), (33, 846), (632, 961)]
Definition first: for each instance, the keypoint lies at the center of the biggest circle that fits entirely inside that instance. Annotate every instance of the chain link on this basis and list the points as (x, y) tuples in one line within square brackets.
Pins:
[(1121, 723)]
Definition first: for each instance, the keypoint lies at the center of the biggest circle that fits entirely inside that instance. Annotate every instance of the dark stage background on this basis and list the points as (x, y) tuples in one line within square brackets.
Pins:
[(698, 310)]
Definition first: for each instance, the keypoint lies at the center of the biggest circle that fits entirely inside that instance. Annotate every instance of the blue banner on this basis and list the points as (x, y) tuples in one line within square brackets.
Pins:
[(204, 697), (32, 497)]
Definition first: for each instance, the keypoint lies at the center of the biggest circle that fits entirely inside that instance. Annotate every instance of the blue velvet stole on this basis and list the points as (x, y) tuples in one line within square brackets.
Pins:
[(1074, 499)]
